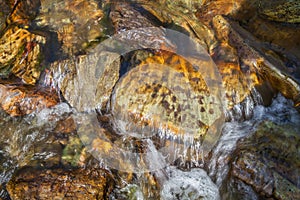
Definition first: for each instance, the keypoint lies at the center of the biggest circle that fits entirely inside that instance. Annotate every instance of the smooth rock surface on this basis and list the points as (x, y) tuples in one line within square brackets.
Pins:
[(86, 82)]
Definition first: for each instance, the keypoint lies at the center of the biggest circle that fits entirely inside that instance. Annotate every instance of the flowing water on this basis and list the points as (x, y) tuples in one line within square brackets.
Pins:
[(180, 173), (21, 134)]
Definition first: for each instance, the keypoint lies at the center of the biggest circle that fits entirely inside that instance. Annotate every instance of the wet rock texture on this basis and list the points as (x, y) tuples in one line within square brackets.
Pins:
[(255, 45), (30, 183), (22, 100), (244, 27), (21, 54), (269, 162), (86, 82), (76, 23)]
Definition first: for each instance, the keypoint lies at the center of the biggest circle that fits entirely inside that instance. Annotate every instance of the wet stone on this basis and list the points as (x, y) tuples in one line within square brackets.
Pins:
[(22, 100), (3, 15), (77, 23), (195, 184), (252, 54), (268, 161), (58, 183), (22, 12), (177, 16), (280, 10), (125, 17), (159, 98), (21, 54), (86, 82)]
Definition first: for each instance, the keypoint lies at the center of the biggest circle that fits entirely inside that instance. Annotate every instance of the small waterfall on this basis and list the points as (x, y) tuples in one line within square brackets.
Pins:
[(245, 109)]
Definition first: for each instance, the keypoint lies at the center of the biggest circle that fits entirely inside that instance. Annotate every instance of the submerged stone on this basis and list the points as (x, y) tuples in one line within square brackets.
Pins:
[(21, 54), (270, 69), (77, 23), (58, 183), (195, 184), (3, 15), (22, 12), (280, 10)]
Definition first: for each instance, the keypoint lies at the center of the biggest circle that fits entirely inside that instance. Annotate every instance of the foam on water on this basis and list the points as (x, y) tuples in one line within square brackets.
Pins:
[(194, 184)]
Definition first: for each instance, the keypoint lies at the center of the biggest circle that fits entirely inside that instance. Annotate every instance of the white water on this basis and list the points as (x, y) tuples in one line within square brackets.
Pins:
[(194, 184)]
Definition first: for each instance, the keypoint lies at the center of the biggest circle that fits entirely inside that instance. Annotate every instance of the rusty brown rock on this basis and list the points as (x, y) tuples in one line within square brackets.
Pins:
[(252, 54), (22, 100), (23, 12), (30, 183), (65, 126), (21, 54), (238, 9), (77, 23), (122, 16)]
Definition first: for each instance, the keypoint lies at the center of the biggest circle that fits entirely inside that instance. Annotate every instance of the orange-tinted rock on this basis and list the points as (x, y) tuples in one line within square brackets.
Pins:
[(252, 54), (211, 8), (21, 54), (65, 126), (283, 41), (22, 100), (76, 22), (30, 183), (23, 12)]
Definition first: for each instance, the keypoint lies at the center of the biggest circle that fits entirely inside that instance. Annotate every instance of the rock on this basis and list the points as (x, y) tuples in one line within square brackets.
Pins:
[(239, 10), (158, 84), (281, 41), (136, 31), (280, 10), (23, 100), (46, 153), (23, 12), (176, 16), (21, 54), (65, 126), (86, 82), (253, 55), (268, 161), (58, 183), (125, 17), (3, 15), (77, 23), (73, 152)]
